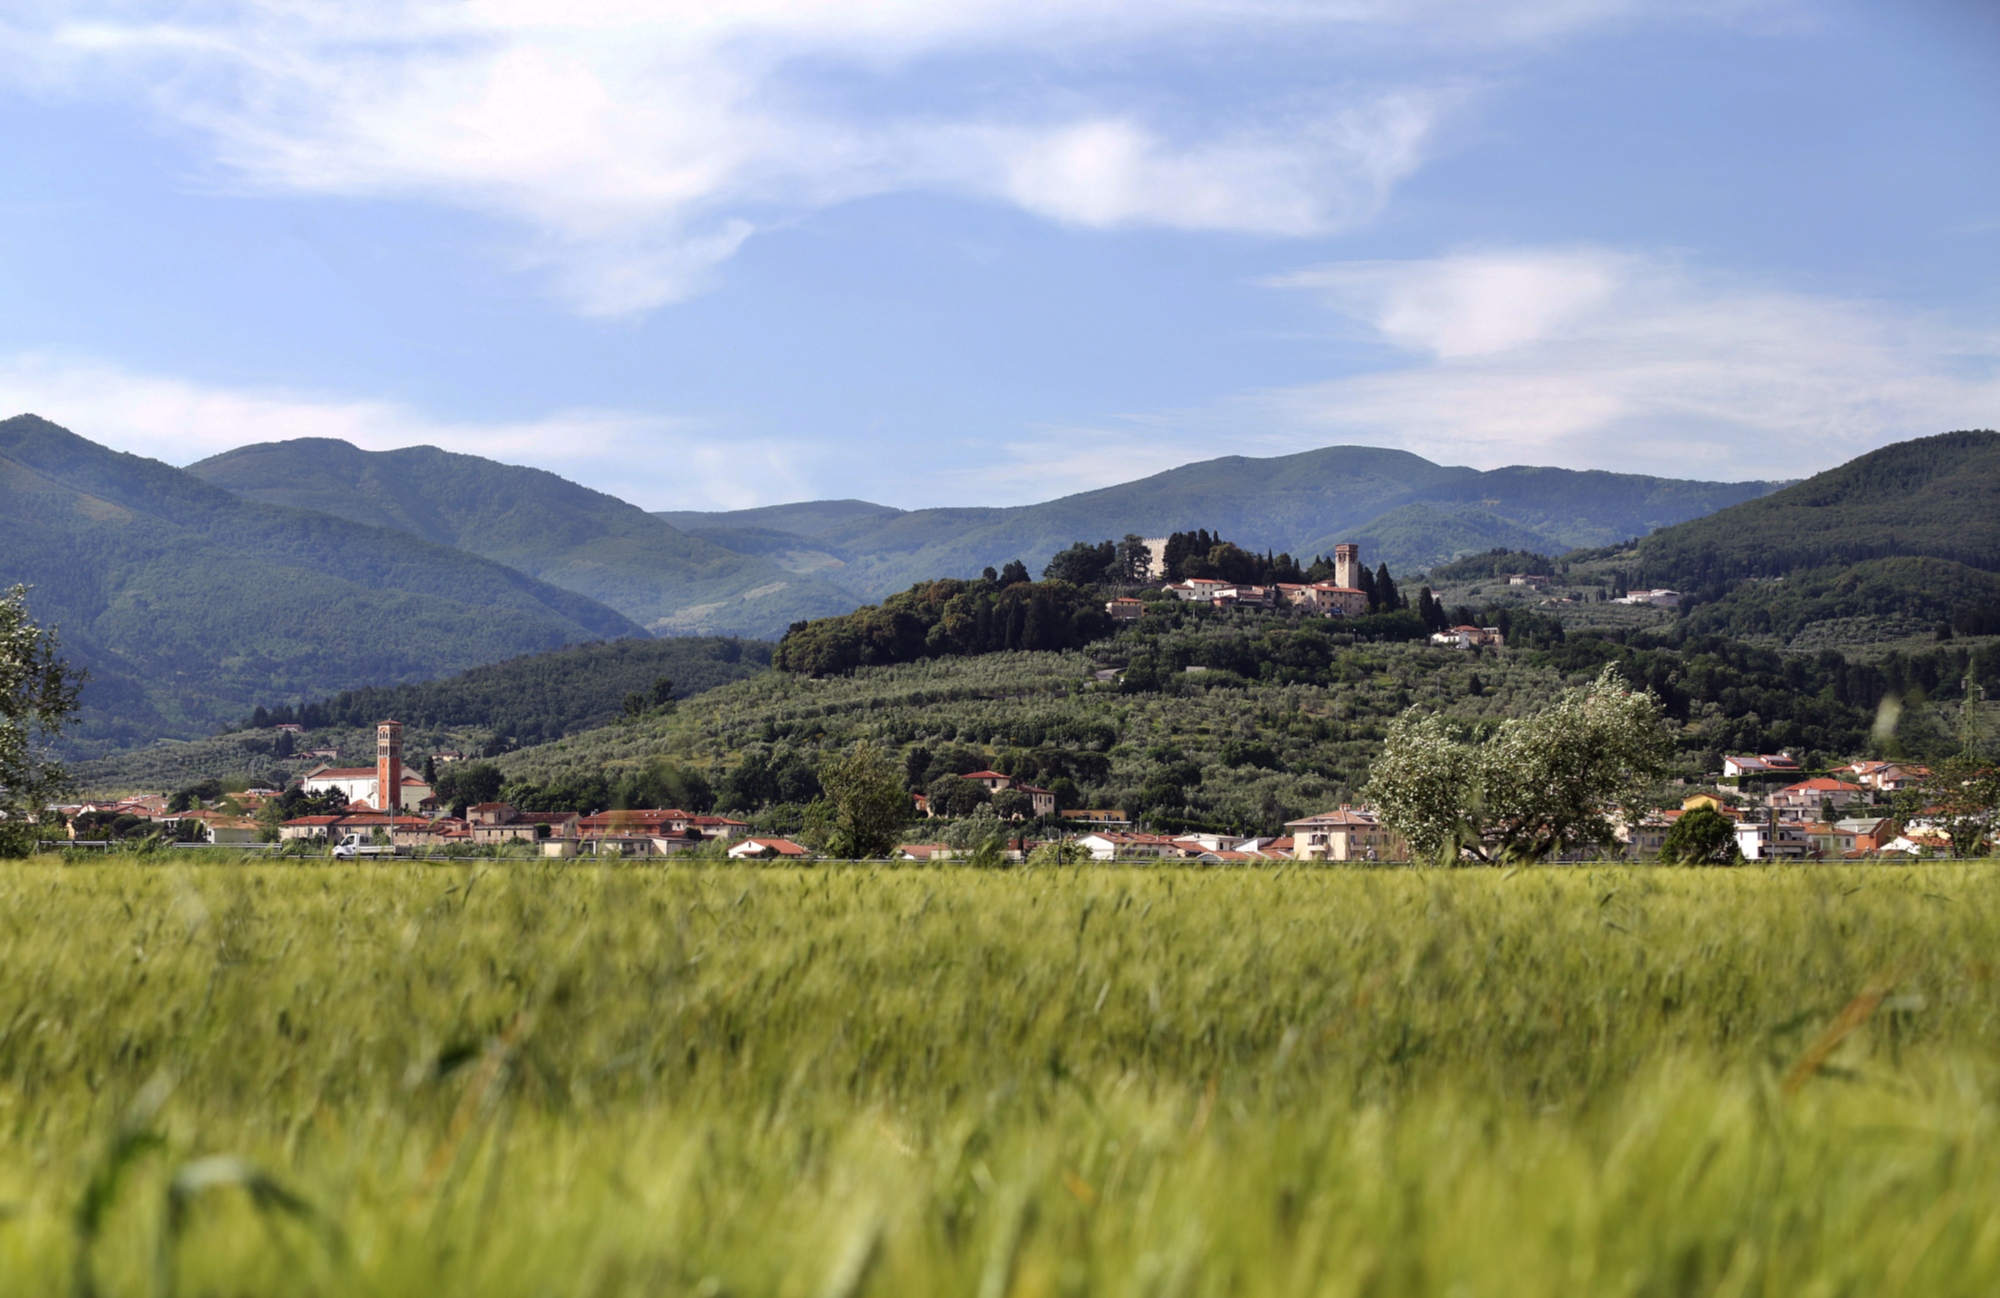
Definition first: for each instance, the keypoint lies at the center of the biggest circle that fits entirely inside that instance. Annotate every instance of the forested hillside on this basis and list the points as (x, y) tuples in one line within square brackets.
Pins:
[(189, 605), (546, 526), (1414, 513), (1934, 497), (1240, 719), (489, 709)]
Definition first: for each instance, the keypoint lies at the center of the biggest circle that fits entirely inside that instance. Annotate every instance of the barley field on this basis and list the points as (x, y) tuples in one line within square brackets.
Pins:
[(552, 1079)]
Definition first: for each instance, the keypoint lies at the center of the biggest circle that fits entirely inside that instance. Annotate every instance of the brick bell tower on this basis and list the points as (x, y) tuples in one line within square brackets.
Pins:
[(1346, 559), (389, 767)]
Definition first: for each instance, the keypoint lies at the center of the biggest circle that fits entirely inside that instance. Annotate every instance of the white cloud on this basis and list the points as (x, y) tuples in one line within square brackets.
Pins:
[(652, 461), (1591, 358), (640, 141)]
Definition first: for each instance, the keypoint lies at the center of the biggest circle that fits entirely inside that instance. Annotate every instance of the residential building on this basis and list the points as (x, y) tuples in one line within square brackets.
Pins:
[(768, 849), (1196, 589), (1468, 637), (993, 780), (1762, 764), (1101, 818), (1526, 579), (1803, 801), (1885, 777), (925, 852), (1657, 598), (1125, 609), (1346, 834), (1109, 845), (1764, 840), (1871, 833)]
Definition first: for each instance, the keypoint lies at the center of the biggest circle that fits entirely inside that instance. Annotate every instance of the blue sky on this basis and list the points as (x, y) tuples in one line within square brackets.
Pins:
[(712, 256)]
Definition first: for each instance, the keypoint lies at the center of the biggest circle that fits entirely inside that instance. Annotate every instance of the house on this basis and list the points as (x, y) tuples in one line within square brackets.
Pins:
[(1043, 802), (1803, 801), (321, 754), (925, 852), (765, 849), (1657, 598), (1346, 834), (993, 780), (1196, 589), (1526, 579), (1468, 637), (1110, 845), (1762, 764), (1871, 833), (1761, 840), (1125, 609), (1326, 598), (1830, 842), (1647, 835), (1885, 777), (222, 828), (1103, 818)]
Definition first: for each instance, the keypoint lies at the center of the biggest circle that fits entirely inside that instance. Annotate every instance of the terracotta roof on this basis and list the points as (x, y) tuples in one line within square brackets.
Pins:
[(986, 775), (1822, 784)]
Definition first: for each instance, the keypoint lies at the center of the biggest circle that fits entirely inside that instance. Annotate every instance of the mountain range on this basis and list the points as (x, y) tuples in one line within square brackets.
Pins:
[(297, 569), (1405, 510), (187, 602), (548, 527)]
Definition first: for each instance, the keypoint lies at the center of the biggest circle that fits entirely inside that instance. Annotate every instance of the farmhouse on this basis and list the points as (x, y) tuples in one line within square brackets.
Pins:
[(1802, 801), (767, 849)]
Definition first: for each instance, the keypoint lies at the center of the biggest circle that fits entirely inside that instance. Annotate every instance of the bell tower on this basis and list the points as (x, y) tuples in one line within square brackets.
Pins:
[(389, 767), (1346, 562)]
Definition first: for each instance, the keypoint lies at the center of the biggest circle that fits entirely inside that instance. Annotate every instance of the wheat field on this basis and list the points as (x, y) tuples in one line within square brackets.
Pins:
[(553, 1079)]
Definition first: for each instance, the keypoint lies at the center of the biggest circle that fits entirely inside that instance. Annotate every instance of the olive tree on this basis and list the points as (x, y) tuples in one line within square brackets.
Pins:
[(866, 800), (1532, 786), (38, 692)]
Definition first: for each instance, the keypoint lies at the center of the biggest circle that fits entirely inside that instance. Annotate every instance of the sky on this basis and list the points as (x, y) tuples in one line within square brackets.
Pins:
[(711, 255)]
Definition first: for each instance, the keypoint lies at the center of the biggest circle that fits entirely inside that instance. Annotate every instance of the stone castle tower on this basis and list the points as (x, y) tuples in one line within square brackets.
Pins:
[(1347, 564), (389, 766)]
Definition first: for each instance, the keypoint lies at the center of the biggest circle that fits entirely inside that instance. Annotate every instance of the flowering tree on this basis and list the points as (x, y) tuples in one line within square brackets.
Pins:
[(37, 696), (1536, 785)]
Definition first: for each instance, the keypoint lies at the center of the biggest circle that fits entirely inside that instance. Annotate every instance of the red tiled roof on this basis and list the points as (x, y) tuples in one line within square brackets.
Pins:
[(1822, 784), (987, 775)]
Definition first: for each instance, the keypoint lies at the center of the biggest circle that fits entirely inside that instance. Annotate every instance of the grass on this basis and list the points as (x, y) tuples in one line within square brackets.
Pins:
[(547, 1078)]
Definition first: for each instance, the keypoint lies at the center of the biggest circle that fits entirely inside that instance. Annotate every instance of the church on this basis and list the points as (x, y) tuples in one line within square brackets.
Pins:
[(362, 785)]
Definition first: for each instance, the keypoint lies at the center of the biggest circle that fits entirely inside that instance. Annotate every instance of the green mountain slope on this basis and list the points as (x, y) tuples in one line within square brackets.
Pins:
[(1934, 497), (1299, 503), (531, 699), (189, 605), (546, 526)]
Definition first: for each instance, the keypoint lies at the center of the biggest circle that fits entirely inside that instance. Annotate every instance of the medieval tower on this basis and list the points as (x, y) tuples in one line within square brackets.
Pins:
[(1347, 565), (389, 767)]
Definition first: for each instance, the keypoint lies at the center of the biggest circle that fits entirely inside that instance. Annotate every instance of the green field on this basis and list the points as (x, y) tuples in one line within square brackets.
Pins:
[(543, 1080)]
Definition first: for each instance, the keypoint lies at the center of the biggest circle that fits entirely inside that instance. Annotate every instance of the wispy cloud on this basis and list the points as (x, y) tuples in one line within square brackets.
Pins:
[(1597, 358), (653, 461), (639, 142)]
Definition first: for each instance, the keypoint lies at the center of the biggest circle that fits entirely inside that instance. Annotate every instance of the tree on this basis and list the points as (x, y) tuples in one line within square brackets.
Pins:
[(1013, 573), (1959, 797), (1536, 785), (1702, 836), (869, 802), (1387, 598), (38, 692), (1135, 559), (1012, 804), (466, 783), (953, 795)]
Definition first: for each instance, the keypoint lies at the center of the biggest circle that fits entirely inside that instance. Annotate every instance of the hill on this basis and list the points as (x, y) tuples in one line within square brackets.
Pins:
[(1934, 497), (531, 699), (534, 521), (1411, 512), (188, 605)]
